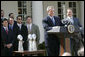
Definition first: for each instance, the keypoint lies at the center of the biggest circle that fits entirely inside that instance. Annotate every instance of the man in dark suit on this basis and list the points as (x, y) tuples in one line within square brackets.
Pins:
[(12, 27), (52, 42), (75, 42), (6, 39), (21, 29)]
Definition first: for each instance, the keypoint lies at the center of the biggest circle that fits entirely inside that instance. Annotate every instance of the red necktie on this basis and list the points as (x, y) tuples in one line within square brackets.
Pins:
[(6, 31)]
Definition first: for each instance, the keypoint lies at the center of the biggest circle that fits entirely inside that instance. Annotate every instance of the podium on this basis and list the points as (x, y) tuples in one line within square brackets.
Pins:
[(64, 35)]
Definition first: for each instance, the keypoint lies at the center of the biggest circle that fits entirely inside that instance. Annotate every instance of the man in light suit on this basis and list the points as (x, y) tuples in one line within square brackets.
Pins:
[(52, 42), (76, 23), (33, 29)]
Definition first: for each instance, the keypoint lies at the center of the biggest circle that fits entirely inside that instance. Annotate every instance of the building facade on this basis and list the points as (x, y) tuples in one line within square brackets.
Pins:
[(37, 9)]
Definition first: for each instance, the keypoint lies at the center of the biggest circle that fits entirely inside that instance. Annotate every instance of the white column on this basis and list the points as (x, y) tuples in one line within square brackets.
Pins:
[(37, 15), (82, 12)]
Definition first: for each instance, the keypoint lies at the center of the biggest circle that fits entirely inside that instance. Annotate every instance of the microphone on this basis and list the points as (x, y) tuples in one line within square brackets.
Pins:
[(66, 22)]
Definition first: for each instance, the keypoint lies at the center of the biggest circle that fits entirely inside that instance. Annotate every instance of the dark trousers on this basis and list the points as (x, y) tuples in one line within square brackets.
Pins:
[(53, 47), (6, 51), (75, 45)]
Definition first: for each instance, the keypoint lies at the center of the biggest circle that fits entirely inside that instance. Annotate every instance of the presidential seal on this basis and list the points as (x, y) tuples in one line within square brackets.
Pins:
[(71, 28)]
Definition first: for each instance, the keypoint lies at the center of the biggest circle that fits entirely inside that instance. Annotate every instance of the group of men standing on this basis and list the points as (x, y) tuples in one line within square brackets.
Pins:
[(10, 29)]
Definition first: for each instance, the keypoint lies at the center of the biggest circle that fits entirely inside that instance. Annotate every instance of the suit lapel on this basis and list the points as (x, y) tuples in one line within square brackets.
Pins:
[(55, 20), (74, 21), (49, 20), (32, 28), (5, 31)]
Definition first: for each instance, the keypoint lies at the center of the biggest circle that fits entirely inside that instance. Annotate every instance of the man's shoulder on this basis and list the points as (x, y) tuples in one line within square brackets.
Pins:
[(75, 18), (36, 26), (45, 18), (56, 16), (23, 25), (2, 29)]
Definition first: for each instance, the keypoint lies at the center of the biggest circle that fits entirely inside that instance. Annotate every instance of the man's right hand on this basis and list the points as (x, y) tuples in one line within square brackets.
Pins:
[(9, 45)]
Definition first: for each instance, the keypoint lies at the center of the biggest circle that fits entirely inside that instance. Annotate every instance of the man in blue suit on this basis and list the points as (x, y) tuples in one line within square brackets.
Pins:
[(75, 21), (12, 26), (52, 42)]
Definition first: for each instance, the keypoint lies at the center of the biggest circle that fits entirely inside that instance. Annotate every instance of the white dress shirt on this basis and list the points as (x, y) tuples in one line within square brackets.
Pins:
[(29, 25), (52, 19), (20, 25), (70, 19), (5, 28)]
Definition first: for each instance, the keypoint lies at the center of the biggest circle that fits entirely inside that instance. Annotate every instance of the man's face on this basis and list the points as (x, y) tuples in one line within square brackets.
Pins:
[(2, 13), (12, 15), (69, 13), (19, 20), (5, 23), (11, 21), (29, 20), (51, 12)]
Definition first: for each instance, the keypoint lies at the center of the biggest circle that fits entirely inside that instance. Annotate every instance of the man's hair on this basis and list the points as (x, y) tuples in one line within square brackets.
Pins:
[(70, 9), (19, 16), (28, 17), (11, 18), (4, 20), (50, 7), (10, 14)]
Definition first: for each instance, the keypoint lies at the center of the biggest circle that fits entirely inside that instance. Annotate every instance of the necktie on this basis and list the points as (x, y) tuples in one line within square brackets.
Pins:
[(71, 20), (6, 31), (53, 21), (20, 27), (11, 27), (28, 28)]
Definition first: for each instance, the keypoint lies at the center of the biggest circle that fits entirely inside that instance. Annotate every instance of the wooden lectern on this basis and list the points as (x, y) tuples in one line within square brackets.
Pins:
[(64, 36)]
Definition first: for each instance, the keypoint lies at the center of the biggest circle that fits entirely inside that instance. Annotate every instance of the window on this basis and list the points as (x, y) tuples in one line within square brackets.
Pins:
[(61, 8), (63, 5), (73, 6), (22, 9)]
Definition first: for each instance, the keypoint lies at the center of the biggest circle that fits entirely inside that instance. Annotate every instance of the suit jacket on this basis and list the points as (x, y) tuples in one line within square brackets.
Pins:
[(75, 20), (6, 39), (14, 28), (76, 23), (35, 30), (48, 24), (24, 34), (77, 26)]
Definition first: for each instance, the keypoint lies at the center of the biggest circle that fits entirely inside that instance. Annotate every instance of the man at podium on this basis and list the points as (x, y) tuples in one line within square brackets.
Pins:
[(52, 42), (74, 21)]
